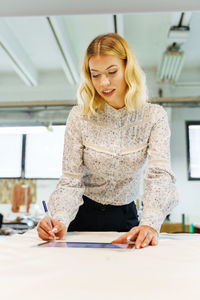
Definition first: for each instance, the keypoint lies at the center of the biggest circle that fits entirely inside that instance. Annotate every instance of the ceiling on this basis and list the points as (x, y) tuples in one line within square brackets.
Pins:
[(67, 7), (40, 56)]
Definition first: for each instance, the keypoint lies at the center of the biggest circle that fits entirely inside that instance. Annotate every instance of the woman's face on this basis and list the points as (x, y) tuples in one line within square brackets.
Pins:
[(108, 78)]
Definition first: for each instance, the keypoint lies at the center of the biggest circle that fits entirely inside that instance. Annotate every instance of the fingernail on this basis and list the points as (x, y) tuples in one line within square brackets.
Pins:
[(54, 229), (128, 238)]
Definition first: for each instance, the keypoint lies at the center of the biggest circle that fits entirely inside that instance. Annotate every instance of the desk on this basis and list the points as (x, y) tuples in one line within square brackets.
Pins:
[(177, 228), (170, 270), (174, 228)]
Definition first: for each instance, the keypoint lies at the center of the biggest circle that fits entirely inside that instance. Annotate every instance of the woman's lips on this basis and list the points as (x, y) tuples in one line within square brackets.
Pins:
[(108, 93)]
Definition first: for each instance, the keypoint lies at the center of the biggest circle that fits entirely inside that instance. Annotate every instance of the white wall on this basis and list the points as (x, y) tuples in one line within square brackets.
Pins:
[(189, 191), (44, 190)]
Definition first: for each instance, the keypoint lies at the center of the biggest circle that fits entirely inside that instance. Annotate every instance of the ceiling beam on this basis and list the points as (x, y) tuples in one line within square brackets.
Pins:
[(17, 55), (73, 102), (52, 114), (38, 103), (120, 24), (111, 23), (60, 7), (175, 100), (58, 29)]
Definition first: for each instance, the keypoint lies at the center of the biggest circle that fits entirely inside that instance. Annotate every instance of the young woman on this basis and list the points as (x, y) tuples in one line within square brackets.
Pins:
[(108, 140)]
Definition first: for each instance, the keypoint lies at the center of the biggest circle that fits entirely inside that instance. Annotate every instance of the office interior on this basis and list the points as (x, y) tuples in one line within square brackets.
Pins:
[(41, 49), (40, 59)]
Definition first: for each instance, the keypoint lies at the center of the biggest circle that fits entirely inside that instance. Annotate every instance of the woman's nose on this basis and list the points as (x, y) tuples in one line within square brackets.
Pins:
[(105, 81)]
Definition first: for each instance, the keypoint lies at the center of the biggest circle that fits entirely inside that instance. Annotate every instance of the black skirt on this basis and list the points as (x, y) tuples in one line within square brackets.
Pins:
[(93, 216)]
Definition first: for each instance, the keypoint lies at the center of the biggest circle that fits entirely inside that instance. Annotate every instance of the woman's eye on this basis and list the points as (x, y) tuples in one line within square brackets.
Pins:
[(95, 75), (113, 72)]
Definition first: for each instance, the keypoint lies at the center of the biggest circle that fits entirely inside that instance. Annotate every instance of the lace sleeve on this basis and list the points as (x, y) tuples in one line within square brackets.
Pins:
[(160, 194), (67, 197)]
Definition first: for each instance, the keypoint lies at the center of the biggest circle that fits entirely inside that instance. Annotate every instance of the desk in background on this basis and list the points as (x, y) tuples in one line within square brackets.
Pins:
[(179, 228)]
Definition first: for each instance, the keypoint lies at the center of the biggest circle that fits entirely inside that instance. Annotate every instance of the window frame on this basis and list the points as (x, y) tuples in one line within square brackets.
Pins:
[(23, 160), (188, 123)]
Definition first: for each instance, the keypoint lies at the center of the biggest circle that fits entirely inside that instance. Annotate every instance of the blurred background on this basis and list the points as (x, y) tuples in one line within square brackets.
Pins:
[(40, 58)]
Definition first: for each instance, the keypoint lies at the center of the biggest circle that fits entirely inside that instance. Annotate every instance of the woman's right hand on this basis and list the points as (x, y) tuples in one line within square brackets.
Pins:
[(45, 232)]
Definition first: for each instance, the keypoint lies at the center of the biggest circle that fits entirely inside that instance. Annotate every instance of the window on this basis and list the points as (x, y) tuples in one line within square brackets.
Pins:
[(32, 155), (43, 158), (10, 155), (193, 149)]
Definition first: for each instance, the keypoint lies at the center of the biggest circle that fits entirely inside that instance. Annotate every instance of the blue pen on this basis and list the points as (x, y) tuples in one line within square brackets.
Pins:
[(47, 214)]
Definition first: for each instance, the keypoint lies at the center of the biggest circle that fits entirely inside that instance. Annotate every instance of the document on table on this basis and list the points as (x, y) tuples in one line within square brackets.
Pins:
[(86, 245)]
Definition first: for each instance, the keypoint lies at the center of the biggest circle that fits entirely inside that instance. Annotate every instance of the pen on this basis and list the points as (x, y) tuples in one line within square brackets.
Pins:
[(47, 214)]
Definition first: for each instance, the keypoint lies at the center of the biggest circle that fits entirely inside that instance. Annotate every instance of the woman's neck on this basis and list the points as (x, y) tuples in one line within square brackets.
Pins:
[(118, 105)]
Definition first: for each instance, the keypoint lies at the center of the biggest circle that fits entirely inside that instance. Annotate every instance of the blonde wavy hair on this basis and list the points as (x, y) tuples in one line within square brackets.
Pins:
[(112, 44)]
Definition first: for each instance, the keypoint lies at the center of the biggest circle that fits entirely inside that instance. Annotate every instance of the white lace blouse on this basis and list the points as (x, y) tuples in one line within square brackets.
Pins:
[(104, 157)]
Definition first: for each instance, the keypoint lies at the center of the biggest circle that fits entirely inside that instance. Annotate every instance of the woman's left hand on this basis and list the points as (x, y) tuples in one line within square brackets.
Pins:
[(142, 235)]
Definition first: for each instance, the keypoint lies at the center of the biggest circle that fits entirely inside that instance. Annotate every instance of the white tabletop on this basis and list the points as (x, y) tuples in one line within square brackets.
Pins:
[(170, 270)]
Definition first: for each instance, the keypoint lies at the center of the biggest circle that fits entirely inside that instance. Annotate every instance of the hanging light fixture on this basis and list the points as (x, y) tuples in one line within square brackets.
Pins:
[(171, 64)]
